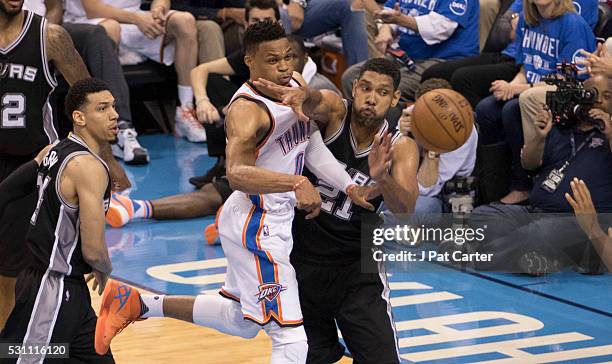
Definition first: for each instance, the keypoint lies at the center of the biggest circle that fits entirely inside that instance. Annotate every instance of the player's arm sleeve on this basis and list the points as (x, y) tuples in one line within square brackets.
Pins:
[(435, 28), (18, 184), (321, 162)]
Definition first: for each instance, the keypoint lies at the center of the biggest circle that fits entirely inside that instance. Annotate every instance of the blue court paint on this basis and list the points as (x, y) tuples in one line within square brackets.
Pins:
[(481, 317)]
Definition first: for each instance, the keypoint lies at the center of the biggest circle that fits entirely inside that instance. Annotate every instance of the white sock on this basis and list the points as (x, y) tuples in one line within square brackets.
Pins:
[(154, 305), (185, 94)]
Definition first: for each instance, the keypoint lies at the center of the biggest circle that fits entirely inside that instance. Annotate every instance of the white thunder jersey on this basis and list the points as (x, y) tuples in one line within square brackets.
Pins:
[(255, 230), (283, 148)]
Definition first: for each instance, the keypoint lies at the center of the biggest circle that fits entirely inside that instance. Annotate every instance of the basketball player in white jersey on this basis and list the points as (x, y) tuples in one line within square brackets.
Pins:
[(268, 145)]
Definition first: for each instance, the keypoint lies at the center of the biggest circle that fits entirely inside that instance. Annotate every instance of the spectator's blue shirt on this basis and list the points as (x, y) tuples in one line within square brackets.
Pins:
[(541, 47), (585, 8), (593, 164), (462, 43)]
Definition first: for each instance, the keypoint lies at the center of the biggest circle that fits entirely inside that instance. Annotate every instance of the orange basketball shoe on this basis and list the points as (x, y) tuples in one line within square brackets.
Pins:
[(120, 211), (211, 232), (120, 307)]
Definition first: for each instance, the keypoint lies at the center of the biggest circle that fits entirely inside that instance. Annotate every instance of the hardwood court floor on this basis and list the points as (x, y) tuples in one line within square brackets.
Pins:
[(170, 341)]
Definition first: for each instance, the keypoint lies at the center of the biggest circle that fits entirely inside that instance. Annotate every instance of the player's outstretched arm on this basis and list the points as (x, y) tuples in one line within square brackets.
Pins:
[(398, 186), (323, 106), (61, 51), (85, 180), (321, 161)]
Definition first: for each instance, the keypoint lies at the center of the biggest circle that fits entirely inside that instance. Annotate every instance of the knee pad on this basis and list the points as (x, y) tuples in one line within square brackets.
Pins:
[(289, 344)]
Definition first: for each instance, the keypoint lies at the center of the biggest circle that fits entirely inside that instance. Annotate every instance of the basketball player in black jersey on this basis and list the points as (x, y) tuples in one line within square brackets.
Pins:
[(66, 234), (327, 250), (30, 52)]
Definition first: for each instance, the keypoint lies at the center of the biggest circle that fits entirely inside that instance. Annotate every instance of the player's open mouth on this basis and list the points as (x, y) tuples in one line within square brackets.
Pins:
[(286, 78)]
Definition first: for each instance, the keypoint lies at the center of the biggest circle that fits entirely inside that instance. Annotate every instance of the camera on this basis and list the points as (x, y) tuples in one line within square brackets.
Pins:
[(571, 101)]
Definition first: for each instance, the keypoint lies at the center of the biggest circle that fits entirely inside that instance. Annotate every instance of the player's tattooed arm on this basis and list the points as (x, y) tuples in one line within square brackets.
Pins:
[(247, 124), (61, 51), (398, 185)]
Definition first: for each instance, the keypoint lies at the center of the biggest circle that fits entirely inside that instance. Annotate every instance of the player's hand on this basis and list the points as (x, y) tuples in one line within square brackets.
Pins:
[(149, 26), (160, 14), (390, 16), (293, 97), (308, 198), (207, 112), (41, 155), (119, 179), (405, 121), (582, 203), (296, 15), (543, 122), (605, 118), (360, 195), (99, 281), (380, 157)]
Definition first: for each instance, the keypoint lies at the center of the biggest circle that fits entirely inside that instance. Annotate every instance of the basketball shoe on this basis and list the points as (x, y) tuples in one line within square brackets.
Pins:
[(123, 209), (121, 306), (128, 148), (187, 126)]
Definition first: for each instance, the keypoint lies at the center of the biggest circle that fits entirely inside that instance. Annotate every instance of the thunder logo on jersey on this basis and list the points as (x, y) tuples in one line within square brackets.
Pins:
[(541, 47)]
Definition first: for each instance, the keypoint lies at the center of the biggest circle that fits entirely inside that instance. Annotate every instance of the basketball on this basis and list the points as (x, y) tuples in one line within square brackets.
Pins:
[(442, 120)]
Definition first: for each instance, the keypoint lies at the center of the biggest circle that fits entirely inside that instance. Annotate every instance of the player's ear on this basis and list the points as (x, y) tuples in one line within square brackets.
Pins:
[(354, 88), (248, 60), (396, 97), (78, 118)]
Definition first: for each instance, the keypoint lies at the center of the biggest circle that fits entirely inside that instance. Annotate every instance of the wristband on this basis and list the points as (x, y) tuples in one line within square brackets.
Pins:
[(299, 183)]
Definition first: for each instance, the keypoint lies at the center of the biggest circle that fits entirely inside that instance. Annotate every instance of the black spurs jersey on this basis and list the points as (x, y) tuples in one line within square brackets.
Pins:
[(26, 81), (54, 237), (334, 236)]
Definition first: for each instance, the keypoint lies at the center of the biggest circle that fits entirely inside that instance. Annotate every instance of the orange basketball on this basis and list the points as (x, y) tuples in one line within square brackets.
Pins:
[(442, 120)]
